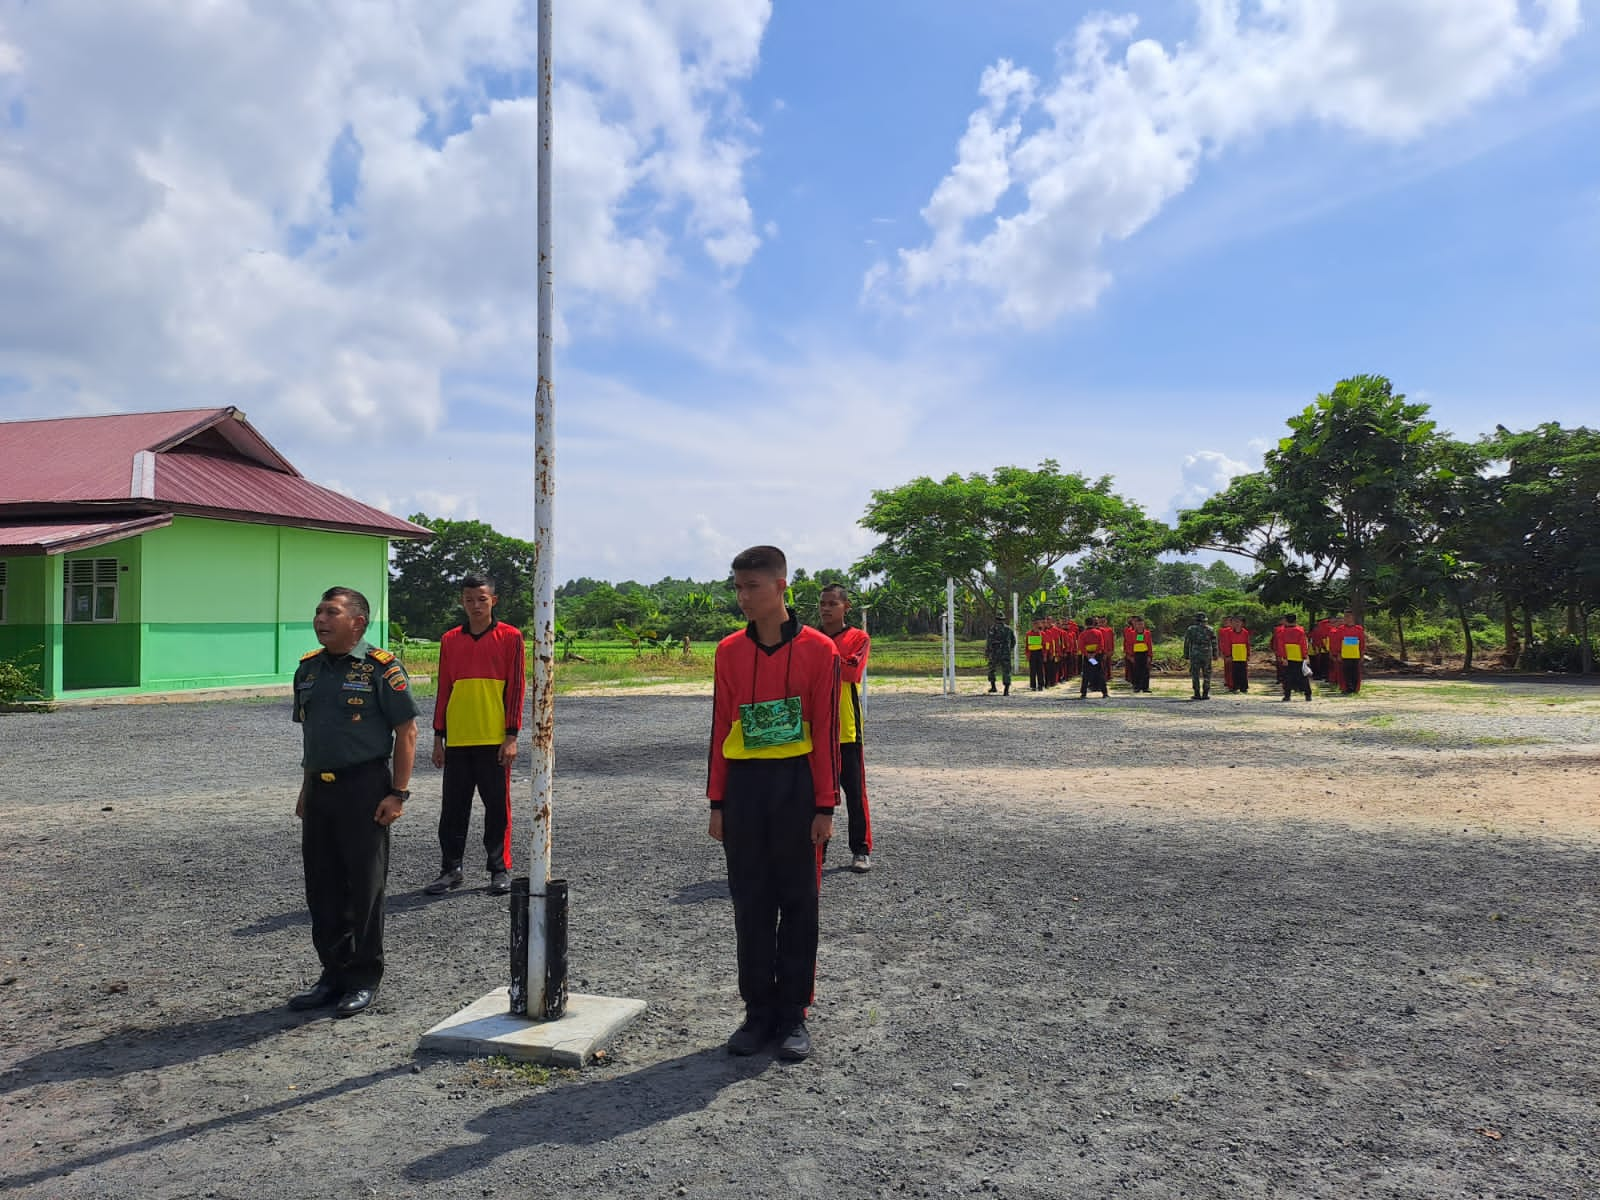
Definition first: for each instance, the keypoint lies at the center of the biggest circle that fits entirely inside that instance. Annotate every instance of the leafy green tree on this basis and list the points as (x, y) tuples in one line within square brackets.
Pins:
[(1351, 480), (1544, 538), (602, 609), (425, 577), (700, 617), (997, 533)]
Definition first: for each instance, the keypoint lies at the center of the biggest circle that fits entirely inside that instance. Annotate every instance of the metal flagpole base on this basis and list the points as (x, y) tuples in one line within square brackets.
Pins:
[(536, 1020)]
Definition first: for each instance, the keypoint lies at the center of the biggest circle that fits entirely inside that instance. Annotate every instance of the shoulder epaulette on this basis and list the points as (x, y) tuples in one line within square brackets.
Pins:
[(312, 654), (382, 656)]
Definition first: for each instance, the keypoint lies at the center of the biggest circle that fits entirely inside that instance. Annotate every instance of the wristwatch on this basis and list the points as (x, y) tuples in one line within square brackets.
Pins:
[(403, 793)]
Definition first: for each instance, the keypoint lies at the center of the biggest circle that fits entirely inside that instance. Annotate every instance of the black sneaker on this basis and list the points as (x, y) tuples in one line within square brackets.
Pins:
[(449, 878), (749, 1037), (796, 1044), (499, 883)]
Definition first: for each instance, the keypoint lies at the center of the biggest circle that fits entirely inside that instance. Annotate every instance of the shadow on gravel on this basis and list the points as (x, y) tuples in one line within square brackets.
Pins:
[(593, 1114), (700, 893), (183, 1132), (392, 903), (130, 1050)]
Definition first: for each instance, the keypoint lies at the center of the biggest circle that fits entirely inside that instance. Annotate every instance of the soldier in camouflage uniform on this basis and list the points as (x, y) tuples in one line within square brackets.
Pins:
[(1200, 648), (997, 648)]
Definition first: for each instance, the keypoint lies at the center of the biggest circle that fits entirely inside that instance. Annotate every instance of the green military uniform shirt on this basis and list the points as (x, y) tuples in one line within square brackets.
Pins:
[(1199, 643), (348, 706)]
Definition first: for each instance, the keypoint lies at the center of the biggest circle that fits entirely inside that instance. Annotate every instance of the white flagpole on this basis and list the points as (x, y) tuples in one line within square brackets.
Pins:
[(544, 553)]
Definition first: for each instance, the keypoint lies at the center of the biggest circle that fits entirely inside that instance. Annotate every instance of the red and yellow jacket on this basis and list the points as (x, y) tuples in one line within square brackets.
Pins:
[(1227, 638), (854, 648), (1292, 644), (481, 682), (1130, 640), (1095, 641), (805, 664), (1319, 635), (1337, 635)]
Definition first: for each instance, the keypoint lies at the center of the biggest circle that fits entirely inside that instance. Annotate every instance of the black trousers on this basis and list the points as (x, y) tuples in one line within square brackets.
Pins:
[(468, 769), (1350, 675), (1139, 672), (767, 809), (853, 782), (1094, 677), (1295, 680), (1239, 676), (346, 858), (1035, 670), (1003, 666)]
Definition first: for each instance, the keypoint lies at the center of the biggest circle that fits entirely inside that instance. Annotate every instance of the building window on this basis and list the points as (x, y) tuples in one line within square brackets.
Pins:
[(91, 590)]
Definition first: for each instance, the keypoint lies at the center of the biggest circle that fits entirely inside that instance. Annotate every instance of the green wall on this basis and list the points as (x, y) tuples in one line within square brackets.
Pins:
[(200, 603), (31, 631), (229, 604), (105, 654)]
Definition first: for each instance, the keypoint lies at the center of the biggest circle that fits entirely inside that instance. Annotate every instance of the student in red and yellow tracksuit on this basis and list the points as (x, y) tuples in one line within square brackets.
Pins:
[(1034, 645), (1052, 652), (773, 783), (1319, 648), (1094, 652), (1233, 643), (1293, 650), (854, 648), (477, 716), (1276, 642), (1138, 647), (1349, 647), (1069, 649)]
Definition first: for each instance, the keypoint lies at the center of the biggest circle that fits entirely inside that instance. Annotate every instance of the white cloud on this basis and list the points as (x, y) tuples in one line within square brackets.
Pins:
[(1205, 473), (321, 211), (1045, 177)]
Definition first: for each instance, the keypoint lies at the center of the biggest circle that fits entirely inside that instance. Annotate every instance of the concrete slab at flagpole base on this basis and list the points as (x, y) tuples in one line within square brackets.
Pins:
[(486, 1026)]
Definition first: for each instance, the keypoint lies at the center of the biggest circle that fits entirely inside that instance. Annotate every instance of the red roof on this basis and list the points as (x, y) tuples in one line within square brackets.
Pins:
[(46, 537), (206, 462)]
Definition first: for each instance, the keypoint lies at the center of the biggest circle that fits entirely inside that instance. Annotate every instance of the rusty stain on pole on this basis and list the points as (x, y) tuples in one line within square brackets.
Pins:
[(544, 715)]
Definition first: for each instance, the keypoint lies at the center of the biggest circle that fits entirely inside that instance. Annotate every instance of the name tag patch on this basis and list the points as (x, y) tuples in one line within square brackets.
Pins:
[(357, 685)]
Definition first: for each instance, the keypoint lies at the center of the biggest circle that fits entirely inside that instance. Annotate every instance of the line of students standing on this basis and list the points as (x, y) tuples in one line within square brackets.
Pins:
[(1058, 652), (1334, 649)]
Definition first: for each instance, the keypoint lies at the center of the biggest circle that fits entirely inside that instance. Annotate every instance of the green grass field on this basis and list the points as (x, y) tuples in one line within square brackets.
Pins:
[(619, 664)]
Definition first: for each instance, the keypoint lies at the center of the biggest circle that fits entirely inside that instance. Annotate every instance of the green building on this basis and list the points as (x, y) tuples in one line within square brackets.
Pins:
[(161, 552)]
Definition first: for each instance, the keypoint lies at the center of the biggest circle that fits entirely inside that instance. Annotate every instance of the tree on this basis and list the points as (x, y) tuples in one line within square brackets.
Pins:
[(1244, 519), (999, 533), (425, 577), (1544, 540), (1352, 477)]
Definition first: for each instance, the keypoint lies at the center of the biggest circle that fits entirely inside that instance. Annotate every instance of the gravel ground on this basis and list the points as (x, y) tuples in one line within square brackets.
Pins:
[(1147, 947)]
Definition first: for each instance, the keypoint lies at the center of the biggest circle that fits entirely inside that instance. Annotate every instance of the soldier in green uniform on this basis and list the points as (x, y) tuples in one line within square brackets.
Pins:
[(997, 648), (354, 706), (1200, 648)]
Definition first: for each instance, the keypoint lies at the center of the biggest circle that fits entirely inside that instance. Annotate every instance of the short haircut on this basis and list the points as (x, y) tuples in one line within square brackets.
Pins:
[(836, 587), (352, 599), (1288, 618), (477, 579), (762, 558)]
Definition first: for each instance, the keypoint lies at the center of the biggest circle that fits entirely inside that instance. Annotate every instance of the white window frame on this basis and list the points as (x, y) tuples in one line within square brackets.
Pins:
[(98, 576)]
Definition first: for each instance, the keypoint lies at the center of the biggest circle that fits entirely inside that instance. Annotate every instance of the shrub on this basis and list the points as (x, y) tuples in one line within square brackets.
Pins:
[(19, 677)]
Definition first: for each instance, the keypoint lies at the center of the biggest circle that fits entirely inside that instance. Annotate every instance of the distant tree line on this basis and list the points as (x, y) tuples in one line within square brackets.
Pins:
[(1365, 504)]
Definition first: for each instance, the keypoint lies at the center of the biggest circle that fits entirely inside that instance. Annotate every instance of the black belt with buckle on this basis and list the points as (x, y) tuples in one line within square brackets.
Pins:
[(349, 772)]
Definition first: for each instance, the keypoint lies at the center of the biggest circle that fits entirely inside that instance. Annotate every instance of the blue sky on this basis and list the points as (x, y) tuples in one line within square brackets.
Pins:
[(803, 250)]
